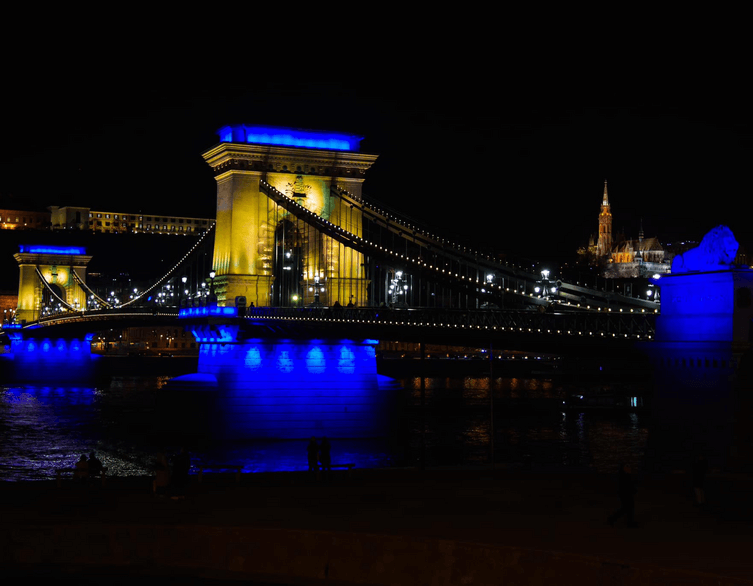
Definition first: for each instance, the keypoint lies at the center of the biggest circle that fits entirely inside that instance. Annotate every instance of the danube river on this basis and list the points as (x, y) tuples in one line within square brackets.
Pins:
[(44, 428)]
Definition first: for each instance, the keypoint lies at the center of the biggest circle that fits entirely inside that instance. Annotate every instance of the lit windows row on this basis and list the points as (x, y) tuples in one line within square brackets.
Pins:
[(99, 215)]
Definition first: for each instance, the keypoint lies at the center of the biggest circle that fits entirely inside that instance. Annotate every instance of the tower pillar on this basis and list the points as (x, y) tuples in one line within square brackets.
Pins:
[(57, 265), (254, 235)]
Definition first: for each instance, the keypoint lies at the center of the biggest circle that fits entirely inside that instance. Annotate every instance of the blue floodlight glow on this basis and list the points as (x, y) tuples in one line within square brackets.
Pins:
[(44, 249), (206, 311), (309, 139), (52, 359), (296, 389)]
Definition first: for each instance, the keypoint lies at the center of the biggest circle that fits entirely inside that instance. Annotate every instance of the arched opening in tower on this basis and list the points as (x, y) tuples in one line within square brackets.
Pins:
[(51, 303), (287, 265)]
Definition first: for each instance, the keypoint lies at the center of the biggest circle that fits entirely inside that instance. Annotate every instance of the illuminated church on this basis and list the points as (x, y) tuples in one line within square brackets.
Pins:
[(622, 257)]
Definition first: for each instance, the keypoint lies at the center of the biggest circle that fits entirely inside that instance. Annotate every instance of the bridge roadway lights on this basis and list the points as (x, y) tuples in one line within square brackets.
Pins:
[(34, 357), (267, 386)]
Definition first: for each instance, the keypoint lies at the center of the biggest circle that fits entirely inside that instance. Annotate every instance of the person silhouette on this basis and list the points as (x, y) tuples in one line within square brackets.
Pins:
[(626, 491), (181, 468), (95, 465), (325, 457), (313, 453), (700, 467), (82, 469)]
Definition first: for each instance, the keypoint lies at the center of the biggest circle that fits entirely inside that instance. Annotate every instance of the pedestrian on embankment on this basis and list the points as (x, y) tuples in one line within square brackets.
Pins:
[(626, 491)]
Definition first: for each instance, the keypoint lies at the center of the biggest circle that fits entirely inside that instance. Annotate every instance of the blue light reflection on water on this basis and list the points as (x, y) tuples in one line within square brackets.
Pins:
[(49, 427)]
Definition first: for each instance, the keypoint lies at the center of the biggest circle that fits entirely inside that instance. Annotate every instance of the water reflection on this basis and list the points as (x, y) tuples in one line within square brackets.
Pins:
[(49, 427)]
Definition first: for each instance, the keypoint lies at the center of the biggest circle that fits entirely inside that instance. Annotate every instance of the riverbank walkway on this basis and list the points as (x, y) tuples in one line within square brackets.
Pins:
[(396, 526)]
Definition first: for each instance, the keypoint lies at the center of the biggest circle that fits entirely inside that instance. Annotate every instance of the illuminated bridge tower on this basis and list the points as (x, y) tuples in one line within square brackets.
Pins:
[(49, 276), (261, 251)]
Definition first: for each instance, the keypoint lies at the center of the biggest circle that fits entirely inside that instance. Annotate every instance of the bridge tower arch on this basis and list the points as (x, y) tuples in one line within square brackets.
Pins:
[(304, 165), (63, 268)]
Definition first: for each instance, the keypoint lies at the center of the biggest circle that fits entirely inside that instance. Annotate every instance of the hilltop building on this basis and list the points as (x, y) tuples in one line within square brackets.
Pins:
[(83, 218), (622, 257), (24, 220)]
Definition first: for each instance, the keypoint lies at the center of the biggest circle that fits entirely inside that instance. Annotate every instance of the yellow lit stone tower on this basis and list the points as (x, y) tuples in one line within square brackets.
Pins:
[(56, 265), (604, 245), (303, 165)]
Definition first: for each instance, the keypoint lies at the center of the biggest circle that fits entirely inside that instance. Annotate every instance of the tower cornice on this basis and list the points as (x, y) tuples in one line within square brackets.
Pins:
[(264, 158)]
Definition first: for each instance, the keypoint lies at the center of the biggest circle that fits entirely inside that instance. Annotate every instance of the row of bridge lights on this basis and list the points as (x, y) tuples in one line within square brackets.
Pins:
[(489, 279), (449, 325), (376, 246), (395, 219), (137, 295), (421, 231)]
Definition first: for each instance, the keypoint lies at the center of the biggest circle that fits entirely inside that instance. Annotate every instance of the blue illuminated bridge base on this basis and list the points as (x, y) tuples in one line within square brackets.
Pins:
[(49, 359), (285, 389)]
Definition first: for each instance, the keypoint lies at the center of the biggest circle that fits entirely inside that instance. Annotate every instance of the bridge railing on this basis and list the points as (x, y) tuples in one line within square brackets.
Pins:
[(583, 323)]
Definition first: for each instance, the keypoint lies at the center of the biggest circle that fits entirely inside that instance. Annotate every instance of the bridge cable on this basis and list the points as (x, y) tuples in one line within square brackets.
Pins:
[(171, 271), (52, 292), (86, 288)]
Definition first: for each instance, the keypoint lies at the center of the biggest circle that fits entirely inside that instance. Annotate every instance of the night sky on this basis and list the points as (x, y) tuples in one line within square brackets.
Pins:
[(522, 180)]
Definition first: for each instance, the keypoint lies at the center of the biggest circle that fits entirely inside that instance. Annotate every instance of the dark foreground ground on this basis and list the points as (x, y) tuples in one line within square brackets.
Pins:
[(381, 526)]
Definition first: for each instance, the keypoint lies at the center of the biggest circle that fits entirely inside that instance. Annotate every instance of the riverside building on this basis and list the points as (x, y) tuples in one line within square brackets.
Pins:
[(119, 222)]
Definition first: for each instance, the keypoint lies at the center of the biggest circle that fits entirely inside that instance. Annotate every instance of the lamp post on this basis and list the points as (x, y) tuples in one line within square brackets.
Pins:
[(398, 287), (317, 288), (212, 297), (183, 290)]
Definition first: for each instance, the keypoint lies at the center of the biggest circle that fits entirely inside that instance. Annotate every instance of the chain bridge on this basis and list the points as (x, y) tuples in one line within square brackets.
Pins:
[(295, 233), (308, 273)]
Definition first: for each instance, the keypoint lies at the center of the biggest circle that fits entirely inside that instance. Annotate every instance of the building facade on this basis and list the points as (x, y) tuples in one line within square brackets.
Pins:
[(24, 220), (114, 222)]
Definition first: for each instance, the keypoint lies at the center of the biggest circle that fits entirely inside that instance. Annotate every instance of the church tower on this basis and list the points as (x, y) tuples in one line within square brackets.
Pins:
[(604, 245)]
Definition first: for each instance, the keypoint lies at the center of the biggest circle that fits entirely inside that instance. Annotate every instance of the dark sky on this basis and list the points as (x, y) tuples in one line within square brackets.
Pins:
[(524, 180)]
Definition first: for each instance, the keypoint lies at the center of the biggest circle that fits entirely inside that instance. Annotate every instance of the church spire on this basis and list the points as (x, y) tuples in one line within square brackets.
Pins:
[(604, 244)]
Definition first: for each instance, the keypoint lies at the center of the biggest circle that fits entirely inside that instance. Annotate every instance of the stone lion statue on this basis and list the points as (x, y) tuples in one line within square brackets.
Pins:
[(716, 251)]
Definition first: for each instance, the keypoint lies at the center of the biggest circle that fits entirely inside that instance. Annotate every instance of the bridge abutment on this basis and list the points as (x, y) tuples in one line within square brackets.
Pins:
[(703, 370)]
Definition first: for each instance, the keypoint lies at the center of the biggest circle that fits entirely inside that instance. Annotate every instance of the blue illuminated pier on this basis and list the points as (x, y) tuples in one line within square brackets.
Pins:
[(50, 359), (282, 388)]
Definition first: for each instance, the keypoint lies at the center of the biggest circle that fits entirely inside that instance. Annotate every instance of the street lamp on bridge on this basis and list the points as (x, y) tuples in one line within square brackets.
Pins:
[(316, 289), (398, 287)]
